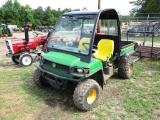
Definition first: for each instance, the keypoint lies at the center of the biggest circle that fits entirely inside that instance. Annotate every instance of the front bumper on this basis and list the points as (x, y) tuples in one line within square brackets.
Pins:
[(9, 55), (56, 78)]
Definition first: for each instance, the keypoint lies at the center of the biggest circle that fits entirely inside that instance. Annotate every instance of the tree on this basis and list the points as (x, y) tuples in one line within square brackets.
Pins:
[(2, 14), (144, 7), (12, 12), (48, 17), (29, 14), (137, 4), (38, 15), (7, 8), (15, 13)]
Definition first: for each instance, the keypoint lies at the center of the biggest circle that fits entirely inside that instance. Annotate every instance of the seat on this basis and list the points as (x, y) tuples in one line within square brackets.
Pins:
[(85, 41), (105, 49)]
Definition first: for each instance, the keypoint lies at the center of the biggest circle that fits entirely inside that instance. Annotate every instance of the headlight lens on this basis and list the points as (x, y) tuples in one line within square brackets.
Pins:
[(79, 70)]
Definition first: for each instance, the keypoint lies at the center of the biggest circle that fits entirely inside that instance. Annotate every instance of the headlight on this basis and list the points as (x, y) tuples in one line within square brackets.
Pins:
[(79, 70)]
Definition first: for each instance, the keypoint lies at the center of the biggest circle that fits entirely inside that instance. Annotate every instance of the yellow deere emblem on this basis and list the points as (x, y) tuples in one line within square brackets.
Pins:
[(53, 65)]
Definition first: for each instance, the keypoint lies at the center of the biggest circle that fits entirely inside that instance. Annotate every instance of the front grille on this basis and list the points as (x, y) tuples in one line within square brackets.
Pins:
[(8, 46), (10, 51), (56, 66)]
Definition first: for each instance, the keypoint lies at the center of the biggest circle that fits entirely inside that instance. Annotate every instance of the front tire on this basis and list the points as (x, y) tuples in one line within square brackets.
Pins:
[(25, 60), (39, 81), (15, 59), (86, 94)]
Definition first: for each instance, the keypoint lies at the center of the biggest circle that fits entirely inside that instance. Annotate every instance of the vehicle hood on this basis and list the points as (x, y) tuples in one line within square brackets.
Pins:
[(63, 58), (72, 61), (68, 59)]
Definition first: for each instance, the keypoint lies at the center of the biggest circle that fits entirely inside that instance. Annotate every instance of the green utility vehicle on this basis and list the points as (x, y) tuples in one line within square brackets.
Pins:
[(78, 57)]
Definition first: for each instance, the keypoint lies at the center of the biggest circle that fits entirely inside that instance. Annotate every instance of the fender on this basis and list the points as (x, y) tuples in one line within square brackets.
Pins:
[(98, 76), (129, 53)]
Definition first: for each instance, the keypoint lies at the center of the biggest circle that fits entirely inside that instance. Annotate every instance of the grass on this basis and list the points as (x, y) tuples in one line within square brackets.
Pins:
[(131, 99), (141, 95)]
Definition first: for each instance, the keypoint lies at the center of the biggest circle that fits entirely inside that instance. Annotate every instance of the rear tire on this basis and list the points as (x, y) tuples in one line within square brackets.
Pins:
[(15, 59), (126, 70), (39, 81), (86, 94), (25, 60)]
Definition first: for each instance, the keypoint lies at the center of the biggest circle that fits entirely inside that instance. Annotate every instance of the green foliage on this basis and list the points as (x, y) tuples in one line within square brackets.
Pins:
[(125, 18), (143, 7), (12, 12)]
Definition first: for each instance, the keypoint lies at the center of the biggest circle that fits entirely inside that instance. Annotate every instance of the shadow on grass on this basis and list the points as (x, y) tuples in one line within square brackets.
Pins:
[(64, 101), (115, 76), (9, 64), (51, 97)]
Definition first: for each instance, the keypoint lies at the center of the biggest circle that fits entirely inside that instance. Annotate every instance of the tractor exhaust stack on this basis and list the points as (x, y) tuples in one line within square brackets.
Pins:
[(26, 34)]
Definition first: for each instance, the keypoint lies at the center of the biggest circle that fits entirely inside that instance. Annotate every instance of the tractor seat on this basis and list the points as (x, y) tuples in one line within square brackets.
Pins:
[(84, 42), (105, 49)]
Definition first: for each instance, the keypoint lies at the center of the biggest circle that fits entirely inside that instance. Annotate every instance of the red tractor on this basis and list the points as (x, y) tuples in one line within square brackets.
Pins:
[(20, 49)]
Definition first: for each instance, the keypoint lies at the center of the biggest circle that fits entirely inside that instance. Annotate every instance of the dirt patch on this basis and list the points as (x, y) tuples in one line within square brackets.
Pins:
[(3, 48), (14, 101), (157, 114)]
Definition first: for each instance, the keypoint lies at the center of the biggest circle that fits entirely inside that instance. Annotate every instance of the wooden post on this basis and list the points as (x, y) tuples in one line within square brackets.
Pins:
[(99, 22), (99, 4)]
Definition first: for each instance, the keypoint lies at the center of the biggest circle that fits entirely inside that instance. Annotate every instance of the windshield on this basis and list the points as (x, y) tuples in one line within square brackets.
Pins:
[(72, 33)]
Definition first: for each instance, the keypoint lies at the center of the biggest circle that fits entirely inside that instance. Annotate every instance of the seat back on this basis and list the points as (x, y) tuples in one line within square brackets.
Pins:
[(105, 47), (84, 40)]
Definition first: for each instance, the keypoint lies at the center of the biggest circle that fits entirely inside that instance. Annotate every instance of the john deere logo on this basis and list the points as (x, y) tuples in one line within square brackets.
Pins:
[(53, 65)]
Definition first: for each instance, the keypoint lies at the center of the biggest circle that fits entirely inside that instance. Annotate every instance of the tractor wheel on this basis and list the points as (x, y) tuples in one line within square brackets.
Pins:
[(126, 70), (86, 94), (39, 80), (25, 60), (15, 59)]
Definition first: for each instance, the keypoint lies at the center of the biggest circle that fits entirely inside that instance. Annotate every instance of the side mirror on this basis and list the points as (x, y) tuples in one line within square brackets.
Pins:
[(45, 39)]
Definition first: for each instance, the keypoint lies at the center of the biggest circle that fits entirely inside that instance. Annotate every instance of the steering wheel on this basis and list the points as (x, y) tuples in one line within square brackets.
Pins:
[(36, 34), (86, 45), (63, 41)]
